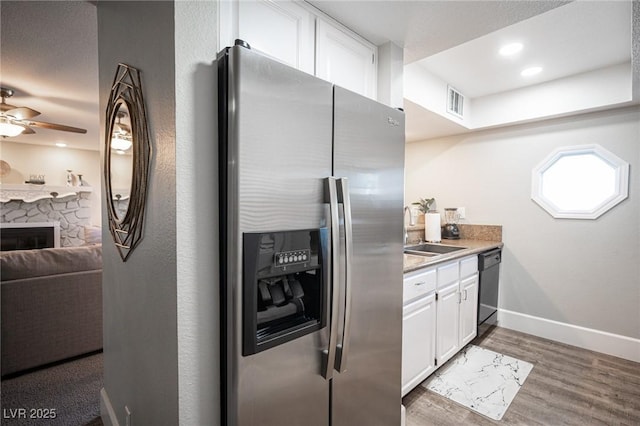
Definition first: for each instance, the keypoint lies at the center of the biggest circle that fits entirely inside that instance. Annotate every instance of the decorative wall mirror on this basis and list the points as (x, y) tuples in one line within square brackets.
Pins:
[(580, 182), (126, 159)]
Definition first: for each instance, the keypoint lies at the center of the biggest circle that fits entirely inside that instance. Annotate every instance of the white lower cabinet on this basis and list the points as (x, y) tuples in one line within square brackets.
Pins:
[(439, 317), (448, 323), (457, 306), (418, 341), (418, 327), (468, 309)]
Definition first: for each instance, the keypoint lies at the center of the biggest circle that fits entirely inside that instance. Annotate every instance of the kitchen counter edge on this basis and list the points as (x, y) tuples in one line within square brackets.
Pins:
[(414, 262)]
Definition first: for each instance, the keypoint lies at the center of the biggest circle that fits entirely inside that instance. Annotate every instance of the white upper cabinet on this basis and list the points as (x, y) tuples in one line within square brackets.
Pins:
[(282, 30), (301, 36), (345, 59)]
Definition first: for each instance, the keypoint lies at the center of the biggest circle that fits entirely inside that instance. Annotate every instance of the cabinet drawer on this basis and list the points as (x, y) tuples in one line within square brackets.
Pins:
[(418, 283), (468, 266), (447, 274), (417, 304)]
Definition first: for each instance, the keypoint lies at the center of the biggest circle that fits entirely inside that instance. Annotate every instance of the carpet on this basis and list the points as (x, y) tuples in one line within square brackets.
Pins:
[(481, 380), (66, 394)]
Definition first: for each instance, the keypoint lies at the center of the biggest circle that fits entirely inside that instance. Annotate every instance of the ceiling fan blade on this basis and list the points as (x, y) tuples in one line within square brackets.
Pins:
[(22, 113), (27, 130), (6, 107), (53, 126)]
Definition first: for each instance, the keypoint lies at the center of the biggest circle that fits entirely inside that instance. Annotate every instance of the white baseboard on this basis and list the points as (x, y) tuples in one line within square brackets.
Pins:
[(106, 410), (582, 337)]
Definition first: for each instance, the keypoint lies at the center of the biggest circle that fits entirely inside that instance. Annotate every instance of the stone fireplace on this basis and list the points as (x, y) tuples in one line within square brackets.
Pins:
[(72, 211)]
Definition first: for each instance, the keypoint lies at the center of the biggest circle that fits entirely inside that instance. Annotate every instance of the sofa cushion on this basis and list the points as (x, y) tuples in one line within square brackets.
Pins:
[(50, 261), (48, 319), (92, 235)]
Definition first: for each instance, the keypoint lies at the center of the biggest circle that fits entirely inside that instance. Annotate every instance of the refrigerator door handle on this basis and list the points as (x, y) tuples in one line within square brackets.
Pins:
[(343, 346), (329, 354)]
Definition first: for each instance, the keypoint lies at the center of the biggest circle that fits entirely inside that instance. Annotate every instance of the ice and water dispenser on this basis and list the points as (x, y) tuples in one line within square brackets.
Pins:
[(284, 287)]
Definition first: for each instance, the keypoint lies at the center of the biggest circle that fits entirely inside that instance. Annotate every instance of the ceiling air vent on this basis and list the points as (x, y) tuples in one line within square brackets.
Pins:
[(455, 102)]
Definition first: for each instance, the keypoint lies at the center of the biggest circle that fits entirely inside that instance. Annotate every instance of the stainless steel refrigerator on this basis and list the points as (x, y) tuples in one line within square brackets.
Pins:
[(311, 186)]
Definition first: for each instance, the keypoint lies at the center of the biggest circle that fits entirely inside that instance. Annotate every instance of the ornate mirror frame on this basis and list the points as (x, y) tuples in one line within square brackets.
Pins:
[(126, 89)]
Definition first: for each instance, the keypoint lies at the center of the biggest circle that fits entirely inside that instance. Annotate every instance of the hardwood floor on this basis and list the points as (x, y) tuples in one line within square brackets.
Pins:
[(567, 386)]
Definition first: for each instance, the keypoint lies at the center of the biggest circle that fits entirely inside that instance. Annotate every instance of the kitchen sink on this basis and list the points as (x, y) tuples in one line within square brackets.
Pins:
[(427, 249)]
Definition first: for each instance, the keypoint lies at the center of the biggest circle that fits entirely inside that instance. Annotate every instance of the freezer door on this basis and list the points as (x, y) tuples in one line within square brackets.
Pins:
[(369, 152), (277, 154)]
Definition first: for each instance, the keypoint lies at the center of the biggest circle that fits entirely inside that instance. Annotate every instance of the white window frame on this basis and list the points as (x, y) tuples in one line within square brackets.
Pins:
[(621, 182)]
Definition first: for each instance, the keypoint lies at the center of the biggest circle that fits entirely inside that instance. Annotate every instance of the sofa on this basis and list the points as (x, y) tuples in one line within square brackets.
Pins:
[(51, 303)]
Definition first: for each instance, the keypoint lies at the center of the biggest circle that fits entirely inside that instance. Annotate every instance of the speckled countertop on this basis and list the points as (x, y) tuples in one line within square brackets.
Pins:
[(413, 262)]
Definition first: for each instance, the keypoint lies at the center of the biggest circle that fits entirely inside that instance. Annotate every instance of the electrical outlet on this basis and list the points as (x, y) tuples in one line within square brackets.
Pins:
[(128, 414), (462, 212)]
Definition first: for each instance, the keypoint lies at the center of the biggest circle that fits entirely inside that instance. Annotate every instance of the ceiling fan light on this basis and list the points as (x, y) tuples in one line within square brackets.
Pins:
[(120, 144), (8, 129)]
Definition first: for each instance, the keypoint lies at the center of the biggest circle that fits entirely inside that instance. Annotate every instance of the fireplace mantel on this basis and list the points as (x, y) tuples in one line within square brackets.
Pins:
[(32, 192)]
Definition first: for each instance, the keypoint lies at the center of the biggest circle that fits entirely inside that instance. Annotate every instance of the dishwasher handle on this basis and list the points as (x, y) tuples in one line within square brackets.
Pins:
[(490, 258)]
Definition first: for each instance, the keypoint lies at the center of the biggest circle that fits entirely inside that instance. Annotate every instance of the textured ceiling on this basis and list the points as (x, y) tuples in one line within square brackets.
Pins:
[(570, 40), (49, 49), (49, 56), (424, 28)]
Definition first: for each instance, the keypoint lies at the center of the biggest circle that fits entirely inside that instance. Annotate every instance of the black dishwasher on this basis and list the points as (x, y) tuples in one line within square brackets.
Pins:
[(489, 268)]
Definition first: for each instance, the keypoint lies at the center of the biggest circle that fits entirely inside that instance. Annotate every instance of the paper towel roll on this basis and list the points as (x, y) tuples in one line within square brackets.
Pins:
[(432, 227)]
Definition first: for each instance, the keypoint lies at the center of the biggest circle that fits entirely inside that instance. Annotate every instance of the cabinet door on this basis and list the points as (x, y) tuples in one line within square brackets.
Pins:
[(468, 309), (418, 341), (345, 60), (282, 30), (447, 323)]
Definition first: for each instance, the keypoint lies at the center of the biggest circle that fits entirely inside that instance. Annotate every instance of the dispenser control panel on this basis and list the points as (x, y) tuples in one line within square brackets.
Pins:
[(292, 257)]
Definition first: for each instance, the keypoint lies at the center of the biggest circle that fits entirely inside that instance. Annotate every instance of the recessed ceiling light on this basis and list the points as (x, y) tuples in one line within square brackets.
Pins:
[(528, 72), (510, 49), (61, 144), (121, 152)]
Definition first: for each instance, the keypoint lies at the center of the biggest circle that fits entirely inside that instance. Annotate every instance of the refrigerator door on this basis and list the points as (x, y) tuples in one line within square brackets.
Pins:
[(274, 164), (369, 152)]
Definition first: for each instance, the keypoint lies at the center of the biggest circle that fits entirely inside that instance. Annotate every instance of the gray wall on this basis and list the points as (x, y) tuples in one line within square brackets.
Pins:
[(140, 314), (580, 272), (161, 306)]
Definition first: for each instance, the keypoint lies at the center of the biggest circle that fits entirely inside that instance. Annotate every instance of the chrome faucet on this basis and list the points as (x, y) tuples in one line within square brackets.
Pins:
[(411, 223)]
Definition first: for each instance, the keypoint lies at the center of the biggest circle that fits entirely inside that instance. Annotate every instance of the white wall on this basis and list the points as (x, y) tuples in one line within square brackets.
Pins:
[(582, 92), (430, 92), (390, 75), (53, 162), (583, 273), (635, 50), (139, 296), (589, 91), (197, 213)]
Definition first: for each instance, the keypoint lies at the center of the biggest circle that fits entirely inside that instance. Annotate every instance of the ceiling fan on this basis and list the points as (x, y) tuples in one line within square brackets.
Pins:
[(18, 120)]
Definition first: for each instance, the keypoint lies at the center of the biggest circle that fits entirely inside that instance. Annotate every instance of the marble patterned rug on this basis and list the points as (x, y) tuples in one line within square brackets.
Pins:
[(481, 380)]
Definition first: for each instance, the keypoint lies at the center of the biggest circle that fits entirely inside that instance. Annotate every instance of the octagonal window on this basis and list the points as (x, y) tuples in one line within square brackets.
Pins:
[(580, 182)]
